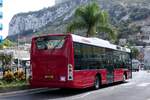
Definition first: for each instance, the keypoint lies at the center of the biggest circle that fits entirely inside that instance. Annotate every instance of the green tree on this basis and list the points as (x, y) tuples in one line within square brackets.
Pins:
[(91, 18), (6, 43), (135, 52), (5, 60)]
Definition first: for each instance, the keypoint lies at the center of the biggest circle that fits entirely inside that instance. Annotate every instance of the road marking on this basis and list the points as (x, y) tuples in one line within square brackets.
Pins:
[(84, 95), (93, 92), (81, 96), (143, 84), (110, 88), (128, 84)]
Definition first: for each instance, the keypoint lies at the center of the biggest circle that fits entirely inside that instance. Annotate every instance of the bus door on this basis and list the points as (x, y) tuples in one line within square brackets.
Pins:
[(110, 74), (108, 65)]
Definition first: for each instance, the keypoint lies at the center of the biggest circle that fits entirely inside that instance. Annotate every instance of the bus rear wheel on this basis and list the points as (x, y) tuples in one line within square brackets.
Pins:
[(97, 83)]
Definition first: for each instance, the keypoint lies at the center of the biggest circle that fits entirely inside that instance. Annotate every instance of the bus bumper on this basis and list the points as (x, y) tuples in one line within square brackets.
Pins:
[(41, 84)]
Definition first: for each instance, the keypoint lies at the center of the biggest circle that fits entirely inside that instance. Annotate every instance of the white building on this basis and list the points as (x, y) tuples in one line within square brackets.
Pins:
[(146, 52), (17, 54), (147, 56)]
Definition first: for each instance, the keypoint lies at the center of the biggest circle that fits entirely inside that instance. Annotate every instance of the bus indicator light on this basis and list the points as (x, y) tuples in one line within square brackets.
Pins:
[(70, 72)]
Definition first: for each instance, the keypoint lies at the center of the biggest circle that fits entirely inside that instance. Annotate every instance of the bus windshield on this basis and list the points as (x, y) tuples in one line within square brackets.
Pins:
[(50, 42)]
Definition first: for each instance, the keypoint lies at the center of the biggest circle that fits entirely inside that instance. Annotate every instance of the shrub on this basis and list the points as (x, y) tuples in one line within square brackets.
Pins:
[(8, 76), (19, 75)]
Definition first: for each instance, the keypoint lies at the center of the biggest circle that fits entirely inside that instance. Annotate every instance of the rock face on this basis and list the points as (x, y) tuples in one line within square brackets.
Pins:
[(33, 21), (54, 19), (60, 1)]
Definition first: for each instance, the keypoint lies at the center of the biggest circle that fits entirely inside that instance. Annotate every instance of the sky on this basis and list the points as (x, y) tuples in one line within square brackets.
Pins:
[(12, 7)]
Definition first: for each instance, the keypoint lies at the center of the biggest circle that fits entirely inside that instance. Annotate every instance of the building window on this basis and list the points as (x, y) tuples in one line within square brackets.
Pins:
[(88, 57), (1, 2), (1, 15), (1, 26)]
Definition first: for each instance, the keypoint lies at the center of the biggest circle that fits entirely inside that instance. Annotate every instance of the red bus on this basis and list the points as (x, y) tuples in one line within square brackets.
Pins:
[(72, 61)]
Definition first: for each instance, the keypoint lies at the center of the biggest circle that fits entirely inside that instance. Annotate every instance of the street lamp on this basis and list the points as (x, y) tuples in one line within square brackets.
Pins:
[(18, 50)]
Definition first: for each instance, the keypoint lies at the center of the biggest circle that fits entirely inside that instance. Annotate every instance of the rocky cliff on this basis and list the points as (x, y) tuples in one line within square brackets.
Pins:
[(35, 21), (129, 16)]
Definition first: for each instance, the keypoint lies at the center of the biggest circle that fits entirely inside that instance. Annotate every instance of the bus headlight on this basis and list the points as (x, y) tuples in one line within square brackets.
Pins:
[(70, 72)]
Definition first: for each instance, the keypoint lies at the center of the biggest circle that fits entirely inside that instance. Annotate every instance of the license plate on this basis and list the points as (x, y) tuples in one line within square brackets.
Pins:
[(49, 76)]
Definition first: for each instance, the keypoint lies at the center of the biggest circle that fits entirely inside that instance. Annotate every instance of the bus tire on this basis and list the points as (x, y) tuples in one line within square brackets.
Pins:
[(97, 83)]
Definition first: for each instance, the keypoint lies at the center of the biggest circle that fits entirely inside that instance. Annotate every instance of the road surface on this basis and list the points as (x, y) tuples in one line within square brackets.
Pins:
[(137, 88)]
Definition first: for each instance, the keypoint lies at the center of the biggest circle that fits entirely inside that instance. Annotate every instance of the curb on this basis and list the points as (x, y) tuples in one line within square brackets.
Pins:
[(27, 91)]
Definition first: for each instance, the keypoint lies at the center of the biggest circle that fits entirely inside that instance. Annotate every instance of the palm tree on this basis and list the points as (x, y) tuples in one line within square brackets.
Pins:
[(93, 19), (6, 43)]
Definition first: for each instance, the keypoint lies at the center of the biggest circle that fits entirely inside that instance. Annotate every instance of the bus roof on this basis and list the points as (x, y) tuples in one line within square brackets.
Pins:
[(98, 42)]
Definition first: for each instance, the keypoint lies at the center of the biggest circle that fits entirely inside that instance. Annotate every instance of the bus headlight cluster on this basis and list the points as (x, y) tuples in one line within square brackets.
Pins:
[(70, 72)]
